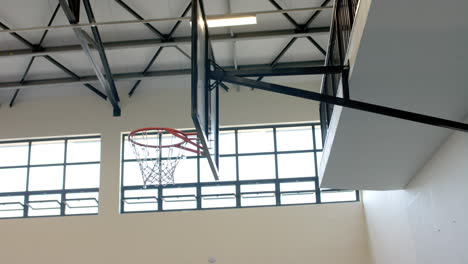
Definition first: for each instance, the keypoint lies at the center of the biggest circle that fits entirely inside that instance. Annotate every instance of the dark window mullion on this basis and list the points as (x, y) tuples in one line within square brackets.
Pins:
[(198, 185), (26, 195), (238, 194), (122, 190), (317, 186), (160, 189), (277, 185), (62, 204)]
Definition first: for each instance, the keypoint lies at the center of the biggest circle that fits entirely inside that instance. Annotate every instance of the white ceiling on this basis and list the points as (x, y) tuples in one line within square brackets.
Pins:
[(26, 13), (413, 57)]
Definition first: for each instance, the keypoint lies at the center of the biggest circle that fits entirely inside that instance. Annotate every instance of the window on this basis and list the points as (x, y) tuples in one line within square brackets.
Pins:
[(49, 177), (259, 166)]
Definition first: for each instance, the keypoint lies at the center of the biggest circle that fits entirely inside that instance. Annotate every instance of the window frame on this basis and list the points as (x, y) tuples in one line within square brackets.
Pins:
[(277, 181), (63, 192)]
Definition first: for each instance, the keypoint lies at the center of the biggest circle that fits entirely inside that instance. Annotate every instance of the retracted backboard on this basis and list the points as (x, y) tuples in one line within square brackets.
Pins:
[(205, 100)]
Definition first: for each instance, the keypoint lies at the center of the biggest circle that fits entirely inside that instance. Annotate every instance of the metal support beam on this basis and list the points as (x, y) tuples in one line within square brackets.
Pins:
[(102, 53), (105, 78), (137, 16), (118, 45), (358, 105), (299, 28), (75, 76), (317, 70), (137, 83), (177, 24), (280, 55), (18, 37), (138, 75), (164, 38), (39, 47), (315, 14), (168, 19), (282, 52), (286, 15), (315, 43), (13, 99), (51, 20)]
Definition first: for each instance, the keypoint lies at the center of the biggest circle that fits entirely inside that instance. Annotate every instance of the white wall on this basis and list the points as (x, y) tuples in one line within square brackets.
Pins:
[(428, 221), (332, 233)]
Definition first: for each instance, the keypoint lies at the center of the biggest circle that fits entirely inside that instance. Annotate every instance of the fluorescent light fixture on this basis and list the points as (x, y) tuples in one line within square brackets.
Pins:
[(231, 21)]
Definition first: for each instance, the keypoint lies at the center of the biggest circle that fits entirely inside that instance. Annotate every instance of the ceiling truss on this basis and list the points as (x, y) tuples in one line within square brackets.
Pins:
[(102, 68)]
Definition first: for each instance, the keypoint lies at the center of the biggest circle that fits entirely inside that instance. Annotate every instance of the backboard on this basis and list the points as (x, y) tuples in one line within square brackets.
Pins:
[(205, 100)]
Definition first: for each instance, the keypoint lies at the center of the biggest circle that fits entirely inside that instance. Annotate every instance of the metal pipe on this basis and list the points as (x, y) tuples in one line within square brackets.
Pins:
[(153, 20)]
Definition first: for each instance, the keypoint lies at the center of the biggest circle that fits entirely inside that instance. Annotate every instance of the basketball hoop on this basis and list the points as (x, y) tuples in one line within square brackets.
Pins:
[(158, 151)]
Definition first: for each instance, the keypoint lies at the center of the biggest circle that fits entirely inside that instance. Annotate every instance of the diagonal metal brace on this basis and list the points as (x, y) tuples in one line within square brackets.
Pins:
[(358, 105), (106, 78)]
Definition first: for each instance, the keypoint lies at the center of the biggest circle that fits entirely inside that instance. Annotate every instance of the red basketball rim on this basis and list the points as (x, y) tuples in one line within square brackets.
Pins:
[(184, 137)]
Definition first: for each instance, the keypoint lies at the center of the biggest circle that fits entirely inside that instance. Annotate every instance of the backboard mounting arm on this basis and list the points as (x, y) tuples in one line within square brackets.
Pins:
[(230, 77)]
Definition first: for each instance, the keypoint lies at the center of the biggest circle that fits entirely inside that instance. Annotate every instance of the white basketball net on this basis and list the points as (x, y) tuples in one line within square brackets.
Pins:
[(158, 154)]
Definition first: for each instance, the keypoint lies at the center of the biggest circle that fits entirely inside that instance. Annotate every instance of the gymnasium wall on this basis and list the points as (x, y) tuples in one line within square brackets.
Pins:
[(426, 223), (332, 233)]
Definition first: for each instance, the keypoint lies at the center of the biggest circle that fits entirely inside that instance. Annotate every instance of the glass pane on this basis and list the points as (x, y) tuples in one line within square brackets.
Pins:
[(257, 167), (258, 194), (319, 158), (82, 203), (13, 154), (128, 150), (218, 196), (82, 176), (186, 171), (148, 193), (179, 198), (318, 137), (297, 192), (218, 201), (298, 198), (210, 190), (11, 206), (297, 186), (227, 142), (132, 174), (258, 187), (140, 200), (227, 170), (149, 140), (179, 191), (256, 140), (83, 150), (42, 205), (258, 199), (296, 165), (294, 138), (328, 196), (13, 180), (46, 178), (168, 140), (48, 152)]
